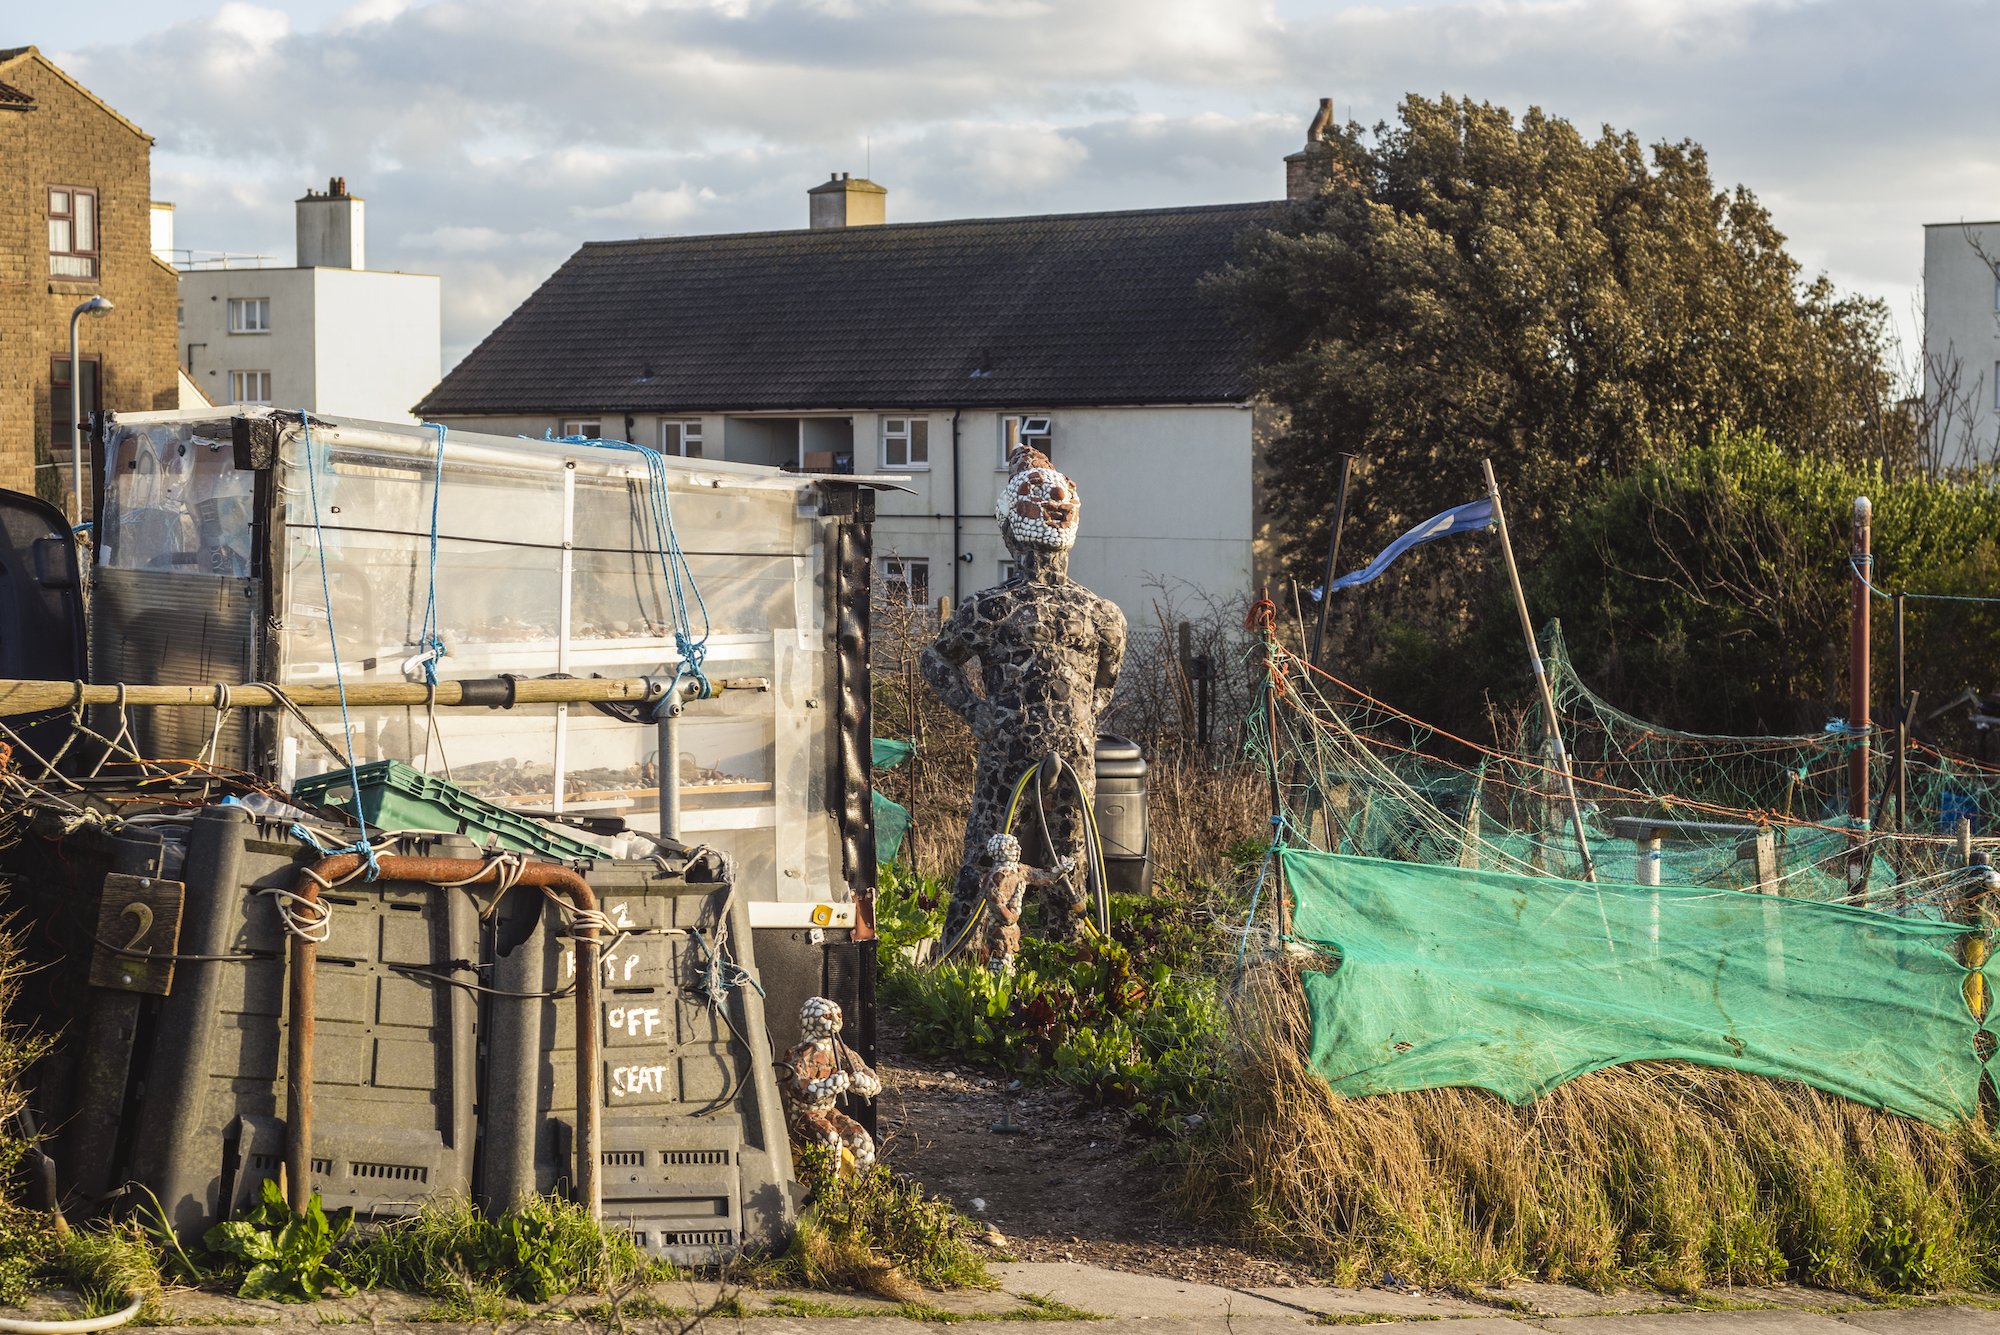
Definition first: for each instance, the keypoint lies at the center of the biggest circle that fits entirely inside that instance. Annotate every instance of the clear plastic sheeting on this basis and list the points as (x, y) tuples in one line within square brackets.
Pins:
[(175, 500), (544, 564)]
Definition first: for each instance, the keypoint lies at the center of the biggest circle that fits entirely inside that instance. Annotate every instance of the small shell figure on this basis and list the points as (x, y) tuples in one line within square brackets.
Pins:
[(818, 1071), (1003, 889)]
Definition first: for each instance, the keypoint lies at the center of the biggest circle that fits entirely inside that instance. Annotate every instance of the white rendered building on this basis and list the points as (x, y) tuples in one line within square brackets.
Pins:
[(1962, 334), (328, 335)]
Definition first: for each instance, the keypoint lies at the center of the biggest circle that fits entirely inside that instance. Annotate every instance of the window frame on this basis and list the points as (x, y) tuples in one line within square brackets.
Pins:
[(238, 383), (913, 426), (688, 426), (1043, 439), (596, 424), (59, 397), (94, 255), (891, 576), (238, 305)]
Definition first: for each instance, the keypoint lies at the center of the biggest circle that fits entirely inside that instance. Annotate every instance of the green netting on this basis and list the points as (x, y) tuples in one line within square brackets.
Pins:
[(1516, 984), (1357, 776)]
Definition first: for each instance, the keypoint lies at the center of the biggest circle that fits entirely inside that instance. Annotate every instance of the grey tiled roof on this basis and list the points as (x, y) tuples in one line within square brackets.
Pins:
[(1081, 308), (10, 96)]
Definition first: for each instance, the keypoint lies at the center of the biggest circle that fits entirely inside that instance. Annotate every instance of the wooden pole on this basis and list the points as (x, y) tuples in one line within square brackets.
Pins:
[(1857, 722), (1549, 716), (1332, 558), (36, 697)]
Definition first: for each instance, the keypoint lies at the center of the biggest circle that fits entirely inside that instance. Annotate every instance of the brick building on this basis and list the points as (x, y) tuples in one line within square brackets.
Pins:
[(76, 221)]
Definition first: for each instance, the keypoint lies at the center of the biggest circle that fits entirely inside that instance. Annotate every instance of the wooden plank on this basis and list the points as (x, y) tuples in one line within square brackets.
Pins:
[(137, 913)]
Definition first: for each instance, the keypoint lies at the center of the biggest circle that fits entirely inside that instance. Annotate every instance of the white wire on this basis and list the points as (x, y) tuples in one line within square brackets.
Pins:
[(314, 926)]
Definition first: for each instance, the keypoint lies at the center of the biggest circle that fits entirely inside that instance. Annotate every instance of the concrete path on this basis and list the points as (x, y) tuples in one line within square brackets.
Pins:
[(1061, 1298)]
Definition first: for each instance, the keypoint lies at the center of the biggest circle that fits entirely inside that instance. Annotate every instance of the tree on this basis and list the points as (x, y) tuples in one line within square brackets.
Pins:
[(1710, 590)]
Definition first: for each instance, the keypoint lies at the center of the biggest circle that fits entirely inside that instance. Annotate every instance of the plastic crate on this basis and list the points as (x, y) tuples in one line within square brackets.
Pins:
[(396, 797)]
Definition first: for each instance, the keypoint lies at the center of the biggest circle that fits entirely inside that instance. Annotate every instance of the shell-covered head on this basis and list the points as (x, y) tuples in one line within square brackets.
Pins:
[(1004, 849), (1039, 506), (819, 1018)]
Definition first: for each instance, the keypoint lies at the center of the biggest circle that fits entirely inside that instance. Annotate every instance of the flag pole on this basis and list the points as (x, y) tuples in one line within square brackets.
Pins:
[(1549, 717)]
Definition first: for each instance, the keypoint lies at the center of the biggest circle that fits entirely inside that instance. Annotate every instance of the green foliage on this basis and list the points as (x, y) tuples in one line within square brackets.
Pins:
[(909, 907), (543, 1250), (285, 1253), (1475, 286), (1711, 590), (876, 1229), (1126, 1033)]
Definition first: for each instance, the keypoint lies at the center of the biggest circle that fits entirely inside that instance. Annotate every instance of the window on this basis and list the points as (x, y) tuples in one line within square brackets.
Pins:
[(1007, 569), (906, 442), (59, 399), (682, 437), (1996, 386), (1036, 430), (72, 232), (249, 315), (590, 428), (249, 386), (906, 579)]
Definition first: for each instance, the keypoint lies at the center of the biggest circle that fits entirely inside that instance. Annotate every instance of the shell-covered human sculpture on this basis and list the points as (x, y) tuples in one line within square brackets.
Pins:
[(1049, 652), (817, 1072)]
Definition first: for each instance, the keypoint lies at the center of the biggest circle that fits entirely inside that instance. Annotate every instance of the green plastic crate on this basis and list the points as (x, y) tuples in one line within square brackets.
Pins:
[(396, 797)]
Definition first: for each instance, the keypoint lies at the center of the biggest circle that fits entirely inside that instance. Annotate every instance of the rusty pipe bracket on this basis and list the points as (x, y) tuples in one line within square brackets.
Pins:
[(438, 872)]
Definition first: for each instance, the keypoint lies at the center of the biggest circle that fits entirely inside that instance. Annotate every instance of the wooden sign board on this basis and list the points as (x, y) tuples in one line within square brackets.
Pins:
[(137, 913)]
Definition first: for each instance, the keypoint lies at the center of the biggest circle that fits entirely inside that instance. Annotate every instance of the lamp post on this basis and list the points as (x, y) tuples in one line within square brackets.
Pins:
[(95, 306)]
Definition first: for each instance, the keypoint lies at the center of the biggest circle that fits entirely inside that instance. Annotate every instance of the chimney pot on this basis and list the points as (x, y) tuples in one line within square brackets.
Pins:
[(1309, 171)]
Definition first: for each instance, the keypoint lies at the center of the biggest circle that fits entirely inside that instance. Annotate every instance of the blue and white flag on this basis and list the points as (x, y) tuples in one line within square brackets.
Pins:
[(1468, 518)]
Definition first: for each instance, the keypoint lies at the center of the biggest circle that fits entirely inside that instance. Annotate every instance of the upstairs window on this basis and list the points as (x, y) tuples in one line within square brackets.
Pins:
[(1037, 429), (906, 580), (72, 232), (590, 428), (249, 386), (906, 442), (249, 315), (682, 437)]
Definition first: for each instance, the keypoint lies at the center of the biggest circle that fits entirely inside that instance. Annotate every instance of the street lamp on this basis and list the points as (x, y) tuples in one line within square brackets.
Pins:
[(95, 306)]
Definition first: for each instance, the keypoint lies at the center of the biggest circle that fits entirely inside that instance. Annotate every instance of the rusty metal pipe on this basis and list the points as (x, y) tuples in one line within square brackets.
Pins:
[(437, 871)]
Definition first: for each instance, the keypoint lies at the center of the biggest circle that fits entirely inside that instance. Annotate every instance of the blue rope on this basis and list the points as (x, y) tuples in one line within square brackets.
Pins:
[(1860, 565), (675, 573), (361, 845), (1257, 893), (429, 641)]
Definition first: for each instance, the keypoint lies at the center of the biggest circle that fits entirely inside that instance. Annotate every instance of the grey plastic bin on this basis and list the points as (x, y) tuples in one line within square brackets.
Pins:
[(394, 1059), (695, 1160), (1122, 815)]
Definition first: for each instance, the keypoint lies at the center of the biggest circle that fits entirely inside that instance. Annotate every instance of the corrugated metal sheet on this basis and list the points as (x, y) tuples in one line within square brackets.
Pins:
[(178, 630)]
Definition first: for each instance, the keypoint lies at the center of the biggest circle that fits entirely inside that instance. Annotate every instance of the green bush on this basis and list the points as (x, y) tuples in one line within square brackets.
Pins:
[(545, 1249), (1130, 1022)]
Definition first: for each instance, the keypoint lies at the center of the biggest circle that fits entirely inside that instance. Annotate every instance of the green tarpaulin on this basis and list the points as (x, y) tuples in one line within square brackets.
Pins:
[(1516, 984), (892, 820)]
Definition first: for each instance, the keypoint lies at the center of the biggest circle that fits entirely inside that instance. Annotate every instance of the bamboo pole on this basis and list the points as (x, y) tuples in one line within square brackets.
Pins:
[(1549, 716), (36, 697)]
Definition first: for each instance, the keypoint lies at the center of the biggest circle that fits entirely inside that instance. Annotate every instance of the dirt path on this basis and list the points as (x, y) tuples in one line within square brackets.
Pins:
[(1072, 1186)]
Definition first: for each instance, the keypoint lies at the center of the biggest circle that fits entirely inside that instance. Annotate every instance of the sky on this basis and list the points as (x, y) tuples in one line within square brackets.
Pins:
[(490, 138)]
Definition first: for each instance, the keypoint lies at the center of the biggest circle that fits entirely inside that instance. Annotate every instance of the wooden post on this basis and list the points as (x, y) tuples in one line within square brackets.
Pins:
[(1332, 558), (1549, 716), (1647, 866), (1857, 709)]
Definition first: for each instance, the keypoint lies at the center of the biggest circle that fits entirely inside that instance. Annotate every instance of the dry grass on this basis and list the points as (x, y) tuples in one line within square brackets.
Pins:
[(1671, 1175)]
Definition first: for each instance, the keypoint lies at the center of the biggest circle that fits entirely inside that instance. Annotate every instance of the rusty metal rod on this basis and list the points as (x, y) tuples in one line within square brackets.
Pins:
[(34, 697), (436, 871)]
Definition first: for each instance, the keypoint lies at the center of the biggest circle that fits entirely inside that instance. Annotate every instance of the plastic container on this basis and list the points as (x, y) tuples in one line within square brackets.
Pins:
[(1123, 815), (395, 797)]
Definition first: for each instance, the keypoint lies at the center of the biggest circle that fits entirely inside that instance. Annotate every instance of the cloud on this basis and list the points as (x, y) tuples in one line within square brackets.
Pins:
[(492, 137), (652, 208)]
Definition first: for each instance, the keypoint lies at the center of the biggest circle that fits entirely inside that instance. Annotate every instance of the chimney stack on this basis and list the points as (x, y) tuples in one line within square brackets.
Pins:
[(331, 234), (1309, 171), (846, 201)]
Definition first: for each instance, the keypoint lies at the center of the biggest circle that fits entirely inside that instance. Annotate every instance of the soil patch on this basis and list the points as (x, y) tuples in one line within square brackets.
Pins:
[(1072, 1185)]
